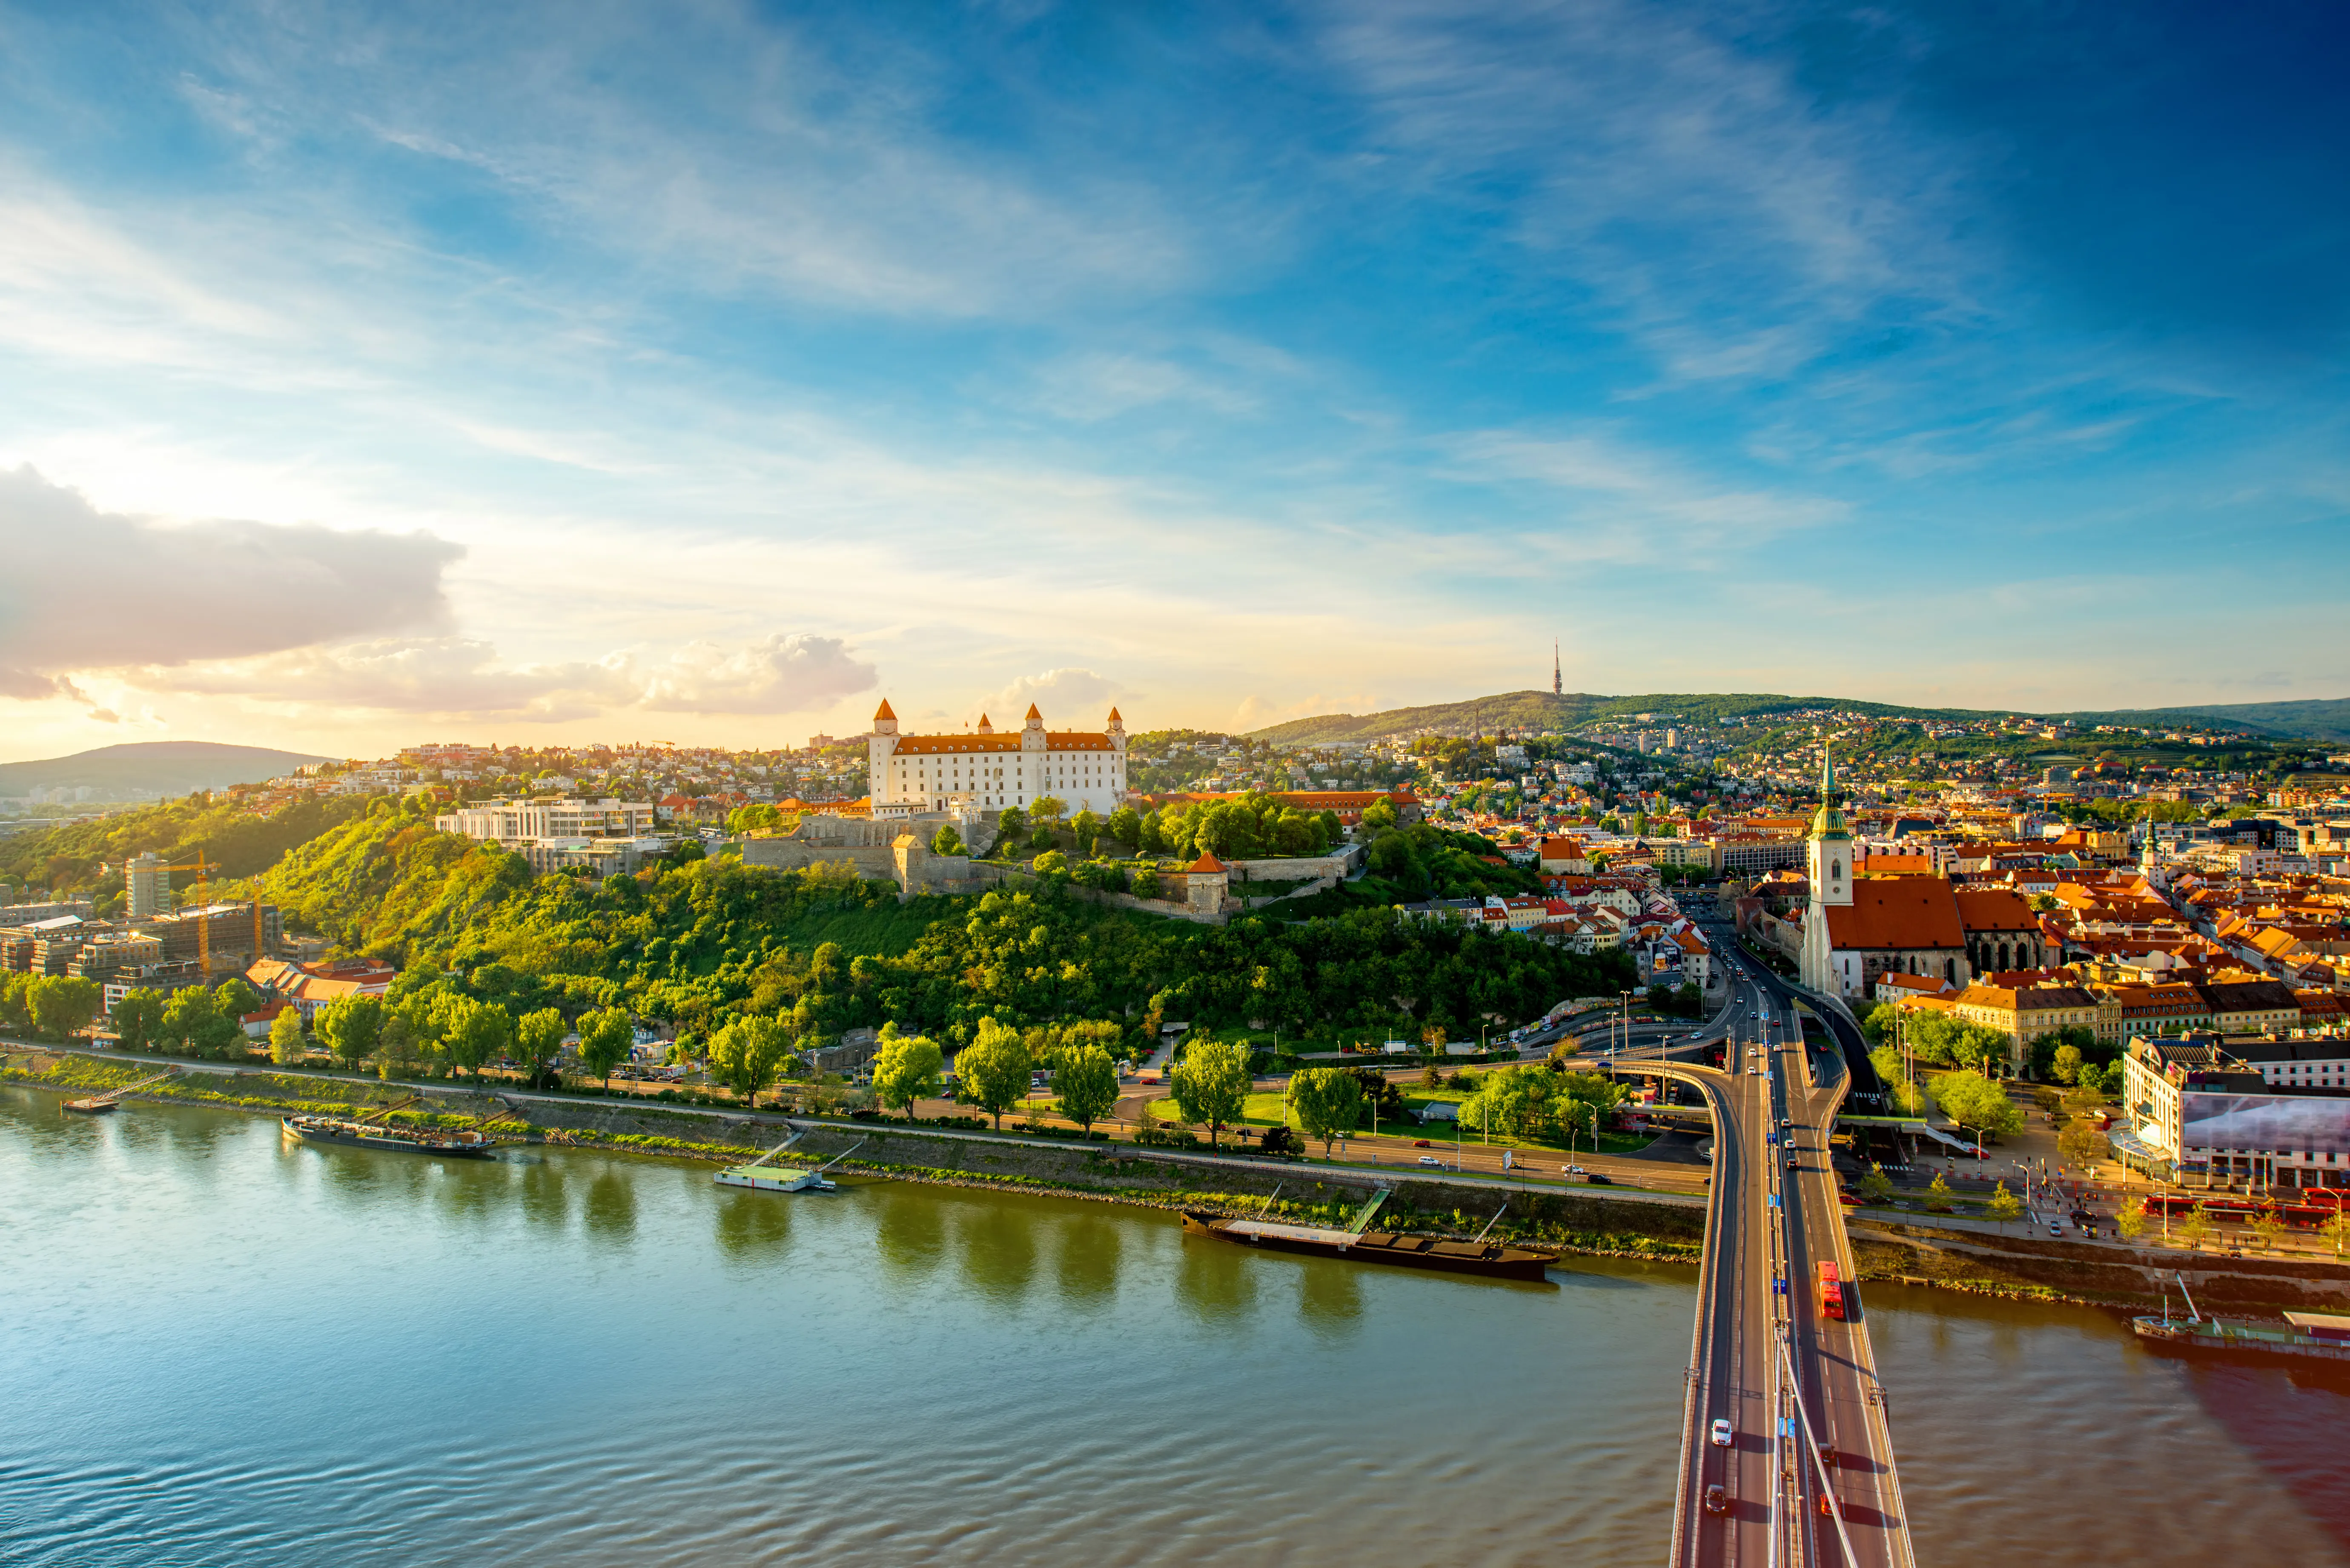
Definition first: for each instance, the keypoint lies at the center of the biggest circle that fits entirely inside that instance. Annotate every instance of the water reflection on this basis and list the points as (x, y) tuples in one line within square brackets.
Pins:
[(1215, 1281), (998, 1247), (753, 1227), (545, 1193), (611, 1207), (1089, 1260), (1330, 1298), (909, 1231), (472, 1190)]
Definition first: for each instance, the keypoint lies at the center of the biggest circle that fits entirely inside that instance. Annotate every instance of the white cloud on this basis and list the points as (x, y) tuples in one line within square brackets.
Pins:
[(1070, 698), (463, 678), (1719, 207), (87, 589), (781, 675), (1631, 504)]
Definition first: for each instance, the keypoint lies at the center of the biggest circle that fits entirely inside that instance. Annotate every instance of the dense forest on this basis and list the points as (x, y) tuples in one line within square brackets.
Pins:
[(238, 843), (700, 940)]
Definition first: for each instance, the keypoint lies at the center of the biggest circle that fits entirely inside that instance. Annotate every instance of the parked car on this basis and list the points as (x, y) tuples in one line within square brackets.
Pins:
[(1598, 1180), (1430, 1159), (1421, 1143)]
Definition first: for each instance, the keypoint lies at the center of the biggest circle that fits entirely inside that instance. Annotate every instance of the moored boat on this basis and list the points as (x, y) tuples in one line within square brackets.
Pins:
[(93, 1106), (1487, 1259), (2323, 1335), (463, 1144)]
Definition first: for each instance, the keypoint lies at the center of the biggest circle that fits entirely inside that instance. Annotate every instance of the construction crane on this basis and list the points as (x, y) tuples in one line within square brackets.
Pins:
[(203, 869)]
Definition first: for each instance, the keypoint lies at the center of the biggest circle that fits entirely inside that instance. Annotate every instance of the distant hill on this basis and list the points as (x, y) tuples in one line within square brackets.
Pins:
[(1539, 710), (2317, 719), (151, 768)]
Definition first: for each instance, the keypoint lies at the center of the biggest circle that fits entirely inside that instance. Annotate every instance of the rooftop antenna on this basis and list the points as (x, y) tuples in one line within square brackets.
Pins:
[(1557, 680)]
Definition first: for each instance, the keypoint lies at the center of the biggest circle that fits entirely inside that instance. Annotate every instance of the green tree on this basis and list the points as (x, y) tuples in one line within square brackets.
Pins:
[(991, 1072), (472, 1033), (2130, 1220), (1327, 1102), (349, 1028), (2196, 1227), (538, 1039), (946, 840), (2337, 1231), (746, 1055), (1046, 811), (606, 1038), (1877, 1186), (2066, 1065), (1125, 826), (1975, 1102), (1938, 1195), (1052, 860), (1145, 883), (286, 1045), (1010, 825), (2082, 1144), (909, 1067), (1211, 1085), (237, 997), (193, 1020), (137, 1016), (1086, 1083), (61, 1005), (2004, 1205), (2269, 1225)]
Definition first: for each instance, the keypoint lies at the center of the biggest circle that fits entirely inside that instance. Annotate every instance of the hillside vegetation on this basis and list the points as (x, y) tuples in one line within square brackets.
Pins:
[(700, 941), (1543, 711), (242, 844)]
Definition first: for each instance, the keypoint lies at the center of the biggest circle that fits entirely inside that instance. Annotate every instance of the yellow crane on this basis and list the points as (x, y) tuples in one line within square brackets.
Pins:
[(203, 869)]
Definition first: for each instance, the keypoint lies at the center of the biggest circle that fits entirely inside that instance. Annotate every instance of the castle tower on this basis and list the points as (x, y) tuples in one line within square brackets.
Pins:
[(984, 727), (1032, 733), (881, 747), (1827, 858)]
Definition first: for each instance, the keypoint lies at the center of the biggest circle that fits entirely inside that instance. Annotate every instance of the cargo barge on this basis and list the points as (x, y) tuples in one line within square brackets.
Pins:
[(465, 1143), (2324, 1336), (2318, 1335)]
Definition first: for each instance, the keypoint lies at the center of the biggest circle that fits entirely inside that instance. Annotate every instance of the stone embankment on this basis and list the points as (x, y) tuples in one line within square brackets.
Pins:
[(1617, 1224), (1611, 1225)]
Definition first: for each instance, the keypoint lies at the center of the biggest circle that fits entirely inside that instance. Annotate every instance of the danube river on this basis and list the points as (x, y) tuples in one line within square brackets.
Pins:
[(216, 1346)]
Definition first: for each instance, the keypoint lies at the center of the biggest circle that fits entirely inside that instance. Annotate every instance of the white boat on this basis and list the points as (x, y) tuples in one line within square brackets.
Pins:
[(761, 1177), (769, 1179)]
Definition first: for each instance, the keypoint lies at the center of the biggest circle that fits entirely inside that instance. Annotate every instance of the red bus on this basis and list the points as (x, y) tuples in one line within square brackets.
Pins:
[(1831, 1293)]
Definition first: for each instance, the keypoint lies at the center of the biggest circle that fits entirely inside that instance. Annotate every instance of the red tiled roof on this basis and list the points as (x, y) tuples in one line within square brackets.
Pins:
[(1897, 914)]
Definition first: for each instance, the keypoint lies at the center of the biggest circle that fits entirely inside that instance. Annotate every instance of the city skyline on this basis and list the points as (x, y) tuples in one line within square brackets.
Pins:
[(706, 377)]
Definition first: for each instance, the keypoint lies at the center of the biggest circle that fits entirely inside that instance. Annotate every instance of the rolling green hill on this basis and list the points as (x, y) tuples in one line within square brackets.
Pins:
[(2326, 719), (1541, 710)]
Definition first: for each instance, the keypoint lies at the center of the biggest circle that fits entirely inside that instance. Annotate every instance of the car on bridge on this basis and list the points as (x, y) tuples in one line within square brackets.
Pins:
[(1721, 1433)]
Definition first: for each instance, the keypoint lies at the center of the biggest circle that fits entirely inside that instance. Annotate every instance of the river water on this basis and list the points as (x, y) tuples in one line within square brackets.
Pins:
[(216, 1346)]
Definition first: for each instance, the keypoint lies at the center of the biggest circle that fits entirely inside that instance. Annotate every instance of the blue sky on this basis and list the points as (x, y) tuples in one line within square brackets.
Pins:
[(705, 372)]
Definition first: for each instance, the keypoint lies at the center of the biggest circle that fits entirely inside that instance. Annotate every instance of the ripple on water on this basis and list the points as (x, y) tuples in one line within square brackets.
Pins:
[(215, 1348)]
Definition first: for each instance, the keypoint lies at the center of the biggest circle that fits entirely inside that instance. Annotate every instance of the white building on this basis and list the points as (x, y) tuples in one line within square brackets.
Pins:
[(513, 821), (1085, 770), (147, 886)]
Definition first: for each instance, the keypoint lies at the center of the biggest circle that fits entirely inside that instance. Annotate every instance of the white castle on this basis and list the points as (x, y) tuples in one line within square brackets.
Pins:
[(1085, 769)]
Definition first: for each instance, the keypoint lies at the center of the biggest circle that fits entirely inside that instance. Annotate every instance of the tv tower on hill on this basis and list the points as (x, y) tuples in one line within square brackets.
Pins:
[(1557, 681)]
